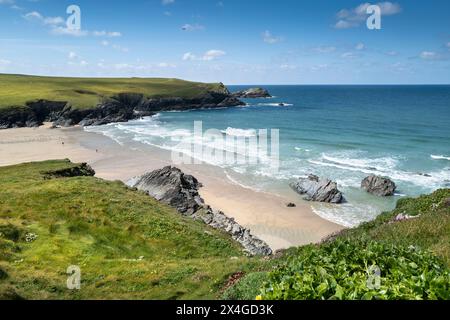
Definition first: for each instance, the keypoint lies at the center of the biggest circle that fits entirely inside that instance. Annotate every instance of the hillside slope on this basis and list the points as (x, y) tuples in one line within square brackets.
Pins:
[(127, 245)]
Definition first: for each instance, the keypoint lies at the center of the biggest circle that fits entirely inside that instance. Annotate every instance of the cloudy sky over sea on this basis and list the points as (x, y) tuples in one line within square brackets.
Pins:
[(234, 41)]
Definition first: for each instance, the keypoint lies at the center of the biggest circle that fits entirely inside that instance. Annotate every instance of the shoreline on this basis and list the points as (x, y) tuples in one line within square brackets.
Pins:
[(265, 214)]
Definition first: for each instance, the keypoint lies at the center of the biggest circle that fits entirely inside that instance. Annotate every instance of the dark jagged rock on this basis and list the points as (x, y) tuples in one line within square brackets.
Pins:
[(171, 186), (79, 170), (379, 186), (291, 205), (252, 93), (317, 189), (120, 108)]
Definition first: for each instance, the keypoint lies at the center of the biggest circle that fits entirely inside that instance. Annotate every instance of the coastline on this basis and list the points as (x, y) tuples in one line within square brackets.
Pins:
[(266, 215)]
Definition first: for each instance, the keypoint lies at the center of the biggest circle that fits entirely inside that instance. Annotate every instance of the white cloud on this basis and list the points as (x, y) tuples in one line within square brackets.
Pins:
[(37, 17), (109, 34), (192, 27), (166, 65), (213, 54), (4, 62), (58, 26), (207, 56), (104, 43), (167, 2), (288, 67), (428, 55), (54, 21), (61, 31), (72, 55), (268, 37), (360, 46), (188, 56), (351, 18), (348, 55)]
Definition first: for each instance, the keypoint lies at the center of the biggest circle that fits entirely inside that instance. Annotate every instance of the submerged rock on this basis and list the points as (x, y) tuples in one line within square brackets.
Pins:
[(379, 186), (179, 190), (253, 93), (318, 189)]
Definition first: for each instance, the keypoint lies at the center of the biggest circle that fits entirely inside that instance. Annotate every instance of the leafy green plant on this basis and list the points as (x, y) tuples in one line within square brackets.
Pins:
[(342, 270)]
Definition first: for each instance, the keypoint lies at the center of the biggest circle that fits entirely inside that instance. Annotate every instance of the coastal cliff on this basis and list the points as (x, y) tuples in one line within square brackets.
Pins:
[(117, 100)]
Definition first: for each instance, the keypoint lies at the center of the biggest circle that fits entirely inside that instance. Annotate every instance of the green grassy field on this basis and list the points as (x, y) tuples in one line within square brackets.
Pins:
[(127, 245), (17, 90)]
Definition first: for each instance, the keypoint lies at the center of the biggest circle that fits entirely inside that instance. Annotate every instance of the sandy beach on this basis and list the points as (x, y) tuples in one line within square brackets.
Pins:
[(265, 214)]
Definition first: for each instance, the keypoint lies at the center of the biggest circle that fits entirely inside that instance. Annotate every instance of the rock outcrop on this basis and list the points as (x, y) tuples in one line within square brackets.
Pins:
[(252, 93), (120, 108), (379, 186), (171, 186), (77, 170), (317, 189)]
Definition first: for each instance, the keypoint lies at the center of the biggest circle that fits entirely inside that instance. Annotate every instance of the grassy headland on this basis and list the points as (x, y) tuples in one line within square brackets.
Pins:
[(127, 245), (17, 90)]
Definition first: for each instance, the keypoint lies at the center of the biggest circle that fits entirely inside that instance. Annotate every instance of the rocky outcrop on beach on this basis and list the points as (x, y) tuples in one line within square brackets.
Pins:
[(379, 186), (253, 93), (171, 186), (119, 108), (179, 190), (318, 189)]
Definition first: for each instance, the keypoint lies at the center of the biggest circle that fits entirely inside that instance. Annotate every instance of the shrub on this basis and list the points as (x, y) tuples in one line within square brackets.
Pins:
[(341, 269)]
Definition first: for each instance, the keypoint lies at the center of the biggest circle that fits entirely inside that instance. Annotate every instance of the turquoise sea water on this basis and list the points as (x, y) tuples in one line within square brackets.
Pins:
[(341, 132)]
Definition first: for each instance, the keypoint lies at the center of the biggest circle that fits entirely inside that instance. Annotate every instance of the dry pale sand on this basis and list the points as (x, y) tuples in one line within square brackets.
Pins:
[(265, 214)]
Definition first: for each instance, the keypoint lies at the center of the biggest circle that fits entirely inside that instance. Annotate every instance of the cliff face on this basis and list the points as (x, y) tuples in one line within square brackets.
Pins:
[(119, 108)]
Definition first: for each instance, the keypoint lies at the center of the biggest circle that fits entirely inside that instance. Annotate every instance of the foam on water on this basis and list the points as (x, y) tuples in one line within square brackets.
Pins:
[(439, 157), (322, 132)]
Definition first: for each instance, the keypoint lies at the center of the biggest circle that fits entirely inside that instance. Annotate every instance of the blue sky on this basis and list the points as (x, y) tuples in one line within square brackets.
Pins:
[(233, 41)]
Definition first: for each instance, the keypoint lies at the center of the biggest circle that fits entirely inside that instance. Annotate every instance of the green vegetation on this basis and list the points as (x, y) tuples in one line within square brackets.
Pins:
[(127, 245), (340, 269), (17, 90), (130, 246), (413, 257)]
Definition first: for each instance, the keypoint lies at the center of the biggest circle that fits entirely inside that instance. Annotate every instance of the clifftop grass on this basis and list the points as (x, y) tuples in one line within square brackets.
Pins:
[(127, 245), (17, 90)]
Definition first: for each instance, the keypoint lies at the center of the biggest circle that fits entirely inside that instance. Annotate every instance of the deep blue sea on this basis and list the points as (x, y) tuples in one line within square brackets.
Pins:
[(341, 132)]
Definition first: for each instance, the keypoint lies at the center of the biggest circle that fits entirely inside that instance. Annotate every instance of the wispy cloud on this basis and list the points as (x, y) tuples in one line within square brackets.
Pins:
[(268, 37), (167, 2), (352, 18), (58, 26), (207, 56), (192, 27)]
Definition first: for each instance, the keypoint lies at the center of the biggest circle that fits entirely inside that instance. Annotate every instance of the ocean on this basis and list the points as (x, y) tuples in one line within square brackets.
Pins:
[(343, 133)]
